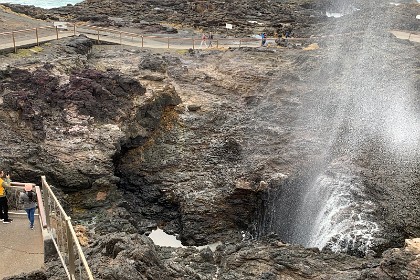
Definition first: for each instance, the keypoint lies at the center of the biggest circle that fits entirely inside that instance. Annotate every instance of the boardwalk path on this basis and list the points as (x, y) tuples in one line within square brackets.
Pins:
[(29, 38), (22, 249)]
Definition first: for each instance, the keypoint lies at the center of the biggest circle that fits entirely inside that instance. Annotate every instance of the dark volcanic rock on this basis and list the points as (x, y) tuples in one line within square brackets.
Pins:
[(118, 130), (153, 63), (59, 114), (81, 44), (36, 275), (303, 17)]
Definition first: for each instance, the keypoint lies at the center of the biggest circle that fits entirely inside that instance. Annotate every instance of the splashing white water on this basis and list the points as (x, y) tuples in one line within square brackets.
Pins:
[(344, 221), (163, 239), (363, 123), (334, 15)]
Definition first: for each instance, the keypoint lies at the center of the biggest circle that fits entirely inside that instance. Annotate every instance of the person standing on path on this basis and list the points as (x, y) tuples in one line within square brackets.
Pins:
[(28, 198), (210, 40), (4, 208), (264, 39), (203, 40)]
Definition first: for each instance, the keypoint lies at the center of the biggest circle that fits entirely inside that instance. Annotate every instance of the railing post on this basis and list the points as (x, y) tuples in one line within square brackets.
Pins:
[(142, 41), (120, 38), (37, 37), (193, 42), (14, 42), (70, 248), (168, 42), (74, 29), (56, 31), (98, 36), (240, 42), (217, 43), (46, 201)]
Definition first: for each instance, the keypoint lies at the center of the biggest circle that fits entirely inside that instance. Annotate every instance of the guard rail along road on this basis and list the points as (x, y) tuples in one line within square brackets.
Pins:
[(60, 239), (35, 36)]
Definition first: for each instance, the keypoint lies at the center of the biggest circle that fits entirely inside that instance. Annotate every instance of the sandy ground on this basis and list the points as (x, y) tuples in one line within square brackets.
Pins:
[(12, 21)]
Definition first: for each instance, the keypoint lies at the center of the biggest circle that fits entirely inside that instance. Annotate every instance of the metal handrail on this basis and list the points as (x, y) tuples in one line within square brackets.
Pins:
[(58, 224), (27, 30), (64, 236), (34, 34), (41, 208), (108, 33)]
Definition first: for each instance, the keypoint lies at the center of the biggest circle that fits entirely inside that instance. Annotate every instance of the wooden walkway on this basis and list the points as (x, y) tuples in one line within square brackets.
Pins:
[(22, 249), (36, 36)]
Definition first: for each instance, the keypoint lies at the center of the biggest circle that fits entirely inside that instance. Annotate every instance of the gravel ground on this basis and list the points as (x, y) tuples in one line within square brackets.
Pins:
[(10, 21)]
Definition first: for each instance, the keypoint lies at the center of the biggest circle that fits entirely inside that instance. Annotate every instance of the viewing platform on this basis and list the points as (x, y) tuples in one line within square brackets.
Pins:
[(26, 250), (22, 249)]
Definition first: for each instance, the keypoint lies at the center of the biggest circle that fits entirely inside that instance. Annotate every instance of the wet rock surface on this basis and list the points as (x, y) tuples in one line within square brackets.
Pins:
[(195, 142)]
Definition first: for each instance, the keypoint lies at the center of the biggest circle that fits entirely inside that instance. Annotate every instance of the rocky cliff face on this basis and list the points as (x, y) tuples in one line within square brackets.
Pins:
[(139, 139), (71, 120), (248, 17), (198, 143)]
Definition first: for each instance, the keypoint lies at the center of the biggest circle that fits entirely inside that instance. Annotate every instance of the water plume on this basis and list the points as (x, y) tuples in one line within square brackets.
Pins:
[(365, 109)]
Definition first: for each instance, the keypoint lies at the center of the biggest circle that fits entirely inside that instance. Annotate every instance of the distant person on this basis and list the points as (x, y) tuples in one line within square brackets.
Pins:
[(210, 40), (264, 39), (4, 208), (203, 40), (28, 198), (287, 34)]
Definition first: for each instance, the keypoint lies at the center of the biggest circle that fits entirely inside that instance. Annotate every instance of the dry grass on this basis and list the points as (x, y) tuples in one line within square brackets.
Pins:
[(312, 47)]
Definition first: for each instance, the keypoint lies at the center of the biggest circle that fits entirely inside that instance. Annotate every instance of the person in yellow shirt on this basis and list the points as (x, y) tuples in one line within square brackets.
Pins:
[(4, 208)]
